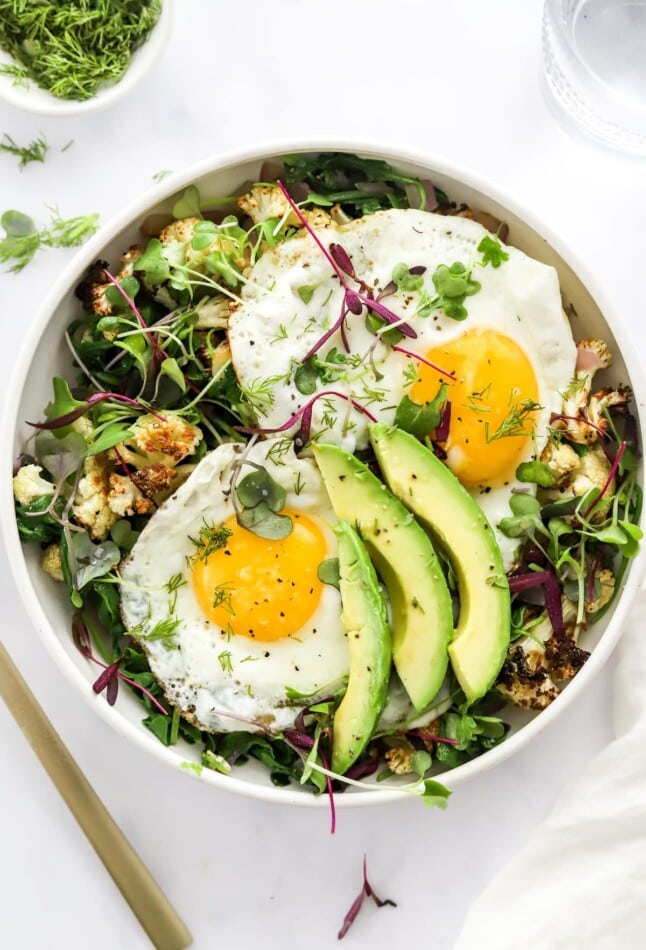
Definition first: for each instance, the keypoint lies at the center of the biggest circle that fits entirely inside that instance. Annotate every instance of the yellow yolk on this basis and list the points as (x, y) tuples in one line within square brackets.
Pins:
[(491, 418), (259, 588)]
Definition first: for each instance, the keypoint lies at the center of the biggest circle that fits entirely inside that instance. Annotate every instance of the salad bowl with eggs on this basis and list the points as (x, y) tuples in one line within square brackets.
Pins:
[(315, 485)]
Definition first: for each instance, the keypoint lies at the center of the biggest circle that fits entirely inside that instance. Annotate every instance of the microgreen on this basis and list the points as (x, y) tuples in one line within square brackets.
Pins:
[(536, 473), (304, 415), (353, 301), (328, 572), (453, 285), (35, 151), (408, 279), (366, 891), (423, 359), (74, 49), (111, 671), (19, 74), (492, 251), (421, 419), (262, 499), (23, 238), (91, 560), (525, 520)]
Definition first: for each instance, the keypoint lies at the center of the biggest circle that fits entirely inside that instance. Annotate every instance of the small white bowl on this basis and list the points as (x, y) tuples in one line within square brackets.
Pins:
[(33, 98), (45, 355)]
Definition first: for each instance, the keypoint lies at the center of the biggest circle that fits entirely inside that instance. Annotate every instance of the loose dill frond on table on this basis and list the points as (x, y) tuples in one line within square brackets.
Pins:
[(33, 152), (74, 48)]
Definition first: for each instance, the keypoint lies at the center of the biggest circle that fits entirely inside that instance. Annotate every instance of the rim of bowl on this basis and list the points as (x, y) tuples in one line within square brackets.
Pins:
[(36, 99), (75, 268)]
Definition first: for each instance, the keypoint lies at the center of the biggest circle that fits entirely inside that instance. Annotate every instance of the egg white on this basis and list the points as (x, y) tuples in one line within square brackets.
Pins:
[(313, 661), (273, 329)]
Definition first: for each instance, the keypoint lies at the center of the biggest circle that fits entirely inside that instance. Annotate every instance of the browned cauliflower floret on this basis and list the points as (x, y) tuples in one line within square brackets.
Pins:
[(52, 563), (592, 472), (606, 581), (537, 666), (125, 498), (92, 291), (400, 755), (268, 201), (576, 421), (603, 400), (561, 459), (28, 485), (213, 313), (165, 440), (179, 232), (524, 678), (91, 507), (157, 480)]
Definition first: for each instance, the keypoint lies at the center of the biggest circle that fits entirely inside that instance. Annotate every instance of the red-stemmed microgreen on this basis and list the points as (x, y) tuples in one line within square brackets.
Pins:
[(68, 417), (366, 891), (353, 300), (302, 741), (304, 414), (430, 737), (423, 359), (108, 680), (159, 355)]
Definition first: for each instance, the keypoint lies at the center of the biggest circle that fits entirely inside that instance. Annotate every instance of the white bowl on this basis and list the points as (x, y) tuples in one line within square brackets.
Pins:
[(32, 98), (45, 355)]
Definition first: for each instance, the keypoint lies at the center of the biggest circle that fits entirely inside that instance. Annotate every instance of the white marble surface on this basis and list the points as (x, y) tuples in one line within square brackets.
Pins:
[(461, 79)]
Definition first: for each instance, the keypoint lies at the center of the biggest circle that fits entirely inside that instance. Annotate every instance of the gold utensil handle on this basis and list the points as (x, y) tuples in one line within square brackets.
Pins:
[(146, 899)]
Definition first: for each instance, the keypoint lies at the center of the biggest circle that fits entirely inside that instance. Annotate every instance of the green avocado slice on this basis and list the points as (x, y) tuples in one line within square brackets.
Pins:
[(403, 554), (435, 496), (366, 620)]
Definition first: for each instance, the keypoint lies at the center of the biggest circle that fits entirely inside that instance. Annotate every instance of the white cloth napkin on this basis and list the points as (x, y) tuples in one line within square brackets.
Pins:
[(580, 882)]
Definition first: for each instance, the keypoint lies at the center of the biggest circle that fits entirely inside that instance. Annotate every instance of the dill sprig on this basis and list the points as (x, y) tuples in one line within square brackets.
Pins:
[(34, 152), (74, 48)]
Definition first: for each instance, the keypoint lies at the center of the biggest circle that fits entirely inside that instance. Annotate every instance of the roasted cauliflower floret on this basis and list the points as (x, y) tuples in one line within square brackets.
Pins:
[(158, 481), (213, 313), (582, 415), (91, 507), (400, 755), (52, 563), (561, 459), (92, 291), (592, 472), (179, 232), (155, 440), (267, 201), (606, 588), (125, 498), (536, 666), (28, 485)]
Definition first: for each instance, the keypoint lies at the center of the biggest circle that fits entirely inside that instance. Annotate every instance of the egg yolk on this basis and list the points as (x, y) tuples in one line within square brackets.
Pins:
[(492, 397), (263, 589)]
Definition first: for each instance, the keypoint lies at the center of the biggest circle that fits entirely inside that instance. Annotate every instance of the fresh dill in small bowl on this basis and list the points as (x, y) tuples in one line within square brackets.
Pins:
[(74, 49)]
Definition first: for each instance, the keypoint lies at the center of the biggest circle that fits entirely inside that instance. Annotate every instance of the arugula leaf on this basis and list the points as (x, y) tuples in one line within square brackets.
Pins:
[(112, 435)]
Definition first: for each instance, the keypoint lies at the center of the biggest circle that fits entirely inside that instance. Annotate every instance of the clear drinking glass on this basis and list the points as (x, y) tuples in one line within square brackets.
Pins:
[(595, 65)]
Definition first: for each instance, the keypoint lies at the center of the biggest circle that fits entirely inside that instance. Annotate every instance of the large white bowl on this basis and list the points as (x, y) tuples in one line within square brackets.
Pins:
[(33, 98), (45, 355)]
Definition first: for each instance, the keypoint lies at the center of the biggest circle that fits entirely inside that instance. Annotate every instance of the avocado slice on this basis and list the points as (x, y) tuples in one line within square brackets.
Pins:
[(444, 506), (403, 554), (366, 620)]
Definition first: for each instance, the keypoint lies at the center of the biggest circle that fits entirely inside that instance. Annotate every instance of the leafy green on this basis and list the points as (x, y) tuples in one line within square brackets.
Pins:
[(492, 251), (265, 522), (421, 419), (536, 473), (35, 523), (435, 795), (262, 498), (406, 280), (328, 572), (91, 560), (453, 285)]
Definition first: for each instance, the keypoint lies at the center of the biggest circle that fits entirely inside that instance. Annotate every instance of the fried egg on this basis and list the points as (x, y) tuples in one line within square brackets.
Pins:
[(234, 625), (505, 365)]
